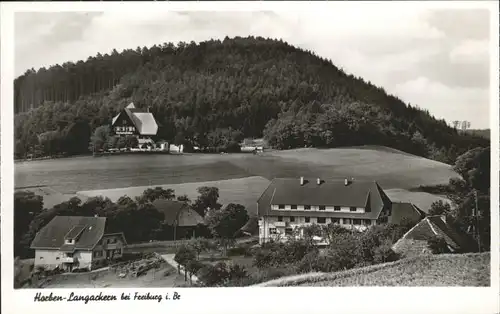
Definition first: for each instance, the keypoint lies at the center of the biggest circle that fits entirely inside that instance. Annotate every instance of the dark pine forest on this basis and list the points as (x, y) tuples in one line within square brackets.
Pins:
[(218, 92)]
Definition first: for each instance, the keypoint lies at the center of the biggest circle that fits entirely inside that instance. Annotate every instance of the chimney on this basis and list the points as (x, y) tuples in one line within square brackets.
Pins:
[(301, 180), (318, 181), (346, 182)]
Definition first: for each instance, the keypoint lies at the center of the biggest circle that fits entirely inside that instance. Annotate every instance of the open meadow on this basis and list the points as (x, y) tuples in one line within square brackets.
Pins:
[(241, 178), (466, 270), (243, 191)]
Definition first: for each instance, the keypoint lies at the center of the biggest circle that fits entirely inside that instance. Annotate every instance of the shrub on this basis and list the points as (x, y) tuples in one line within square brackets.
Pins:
[(273, 273), (262, 258), (214, 275), (194, 266), (309, 262), (237, 272), (384, 253), (343, 252), (440, 208), (242, 282), (200, 245), (313, 230), (295, 250), (184, 255), (438, 245), (236, 251), (278, 254)]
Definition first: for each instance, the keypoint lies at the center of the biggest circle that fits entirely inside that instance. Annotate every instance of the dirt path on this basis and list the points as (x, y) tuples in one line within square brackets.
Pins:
[(169, 258)]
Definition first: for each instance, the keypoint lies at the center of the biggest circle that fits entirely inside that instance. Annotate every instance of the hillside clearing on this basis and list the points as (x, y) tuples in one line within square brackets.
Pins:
[(241, 178), (470, 270), (390, 169), (243, 191), (373, 162)]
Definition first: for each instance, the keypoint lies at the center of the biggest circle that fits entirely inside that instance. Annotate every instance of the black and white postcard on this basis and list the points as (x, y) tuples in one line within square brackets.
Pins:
[(164, 156)]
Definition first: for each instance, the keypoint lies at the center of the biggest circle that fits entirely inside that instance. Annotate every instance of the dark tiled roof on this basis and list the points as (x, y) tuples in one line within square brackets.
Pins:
[(435, 226), (52, 235), (144, 122), (453, 237), (358, 193), (407, 211), (421, 231), (174, 211), (252, 226)]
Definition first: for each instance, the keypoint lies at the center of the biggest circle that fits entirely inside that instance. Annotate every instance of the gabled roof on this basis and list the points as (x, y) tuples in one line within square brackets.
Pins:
[(407, 211), (289, 191), (436, 226), (179, 213), (144, 122), (52, 235)]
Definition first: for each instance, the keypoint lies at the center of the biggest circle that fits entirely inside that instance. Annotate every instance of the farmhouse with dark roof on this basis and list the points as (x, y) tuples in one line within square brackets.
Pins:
[(135, 122), (415, 241), (70, 242), (289, 204), (178, 215)]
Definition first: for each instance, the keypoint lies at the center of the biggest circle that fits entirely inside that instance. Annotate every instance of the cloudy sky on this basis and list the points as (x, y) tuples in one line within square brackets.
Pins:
[(438, 60)]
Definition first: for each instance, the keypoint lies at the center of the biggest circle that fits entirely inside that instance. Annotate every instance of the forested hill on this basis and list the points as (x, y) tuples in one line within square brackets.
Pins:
[(216, 92)]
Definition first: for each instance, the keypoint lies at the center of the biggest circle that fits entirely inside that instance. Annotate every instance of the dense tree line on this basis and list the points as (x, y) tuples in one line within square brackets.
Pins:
[(216, 92), (470, 196), (137, 218)]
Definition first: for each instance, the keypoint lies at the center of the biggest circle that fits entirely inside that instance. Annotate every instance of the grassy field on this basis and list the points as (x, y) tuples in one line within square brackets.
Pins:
[(466, 270), (391, 168), (243, 191), (240, 177)]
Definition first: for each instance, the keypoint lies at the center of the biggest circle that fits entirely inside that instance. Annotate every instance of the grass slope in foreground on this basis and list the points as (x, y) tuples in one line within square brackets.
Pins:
[(466, 270)]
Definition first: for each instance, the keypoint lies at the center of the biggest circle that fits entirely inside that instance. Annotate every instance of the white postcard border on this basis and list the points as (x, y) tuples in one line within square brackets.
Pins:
[(244, 300)]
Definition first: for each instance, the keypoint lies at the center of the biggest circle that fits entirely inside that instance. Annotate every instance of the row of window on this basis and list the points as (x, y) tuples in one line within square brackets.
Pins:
[(124, 129), (110, 253), (322, 220), (321, 207), (107, 241)]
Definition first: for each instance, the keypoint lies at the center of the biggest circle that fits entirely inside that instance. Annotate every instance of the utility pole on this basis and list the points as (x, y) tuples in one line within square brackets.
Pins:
[(476, 217)]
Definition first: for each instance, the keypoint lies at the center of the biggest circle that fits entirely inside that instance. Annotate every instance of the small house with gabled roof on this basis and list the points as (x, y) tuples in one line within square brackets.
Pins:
[(178, 215), (70, 242), (134, 121), (415, 241)]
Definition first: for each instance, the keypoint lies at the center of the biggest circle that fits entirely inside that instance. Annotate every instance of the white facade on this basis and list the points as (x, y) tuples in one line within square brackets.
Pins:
[(110, 246), (176, 149), (50, 259), (336, 209), (283, 227)]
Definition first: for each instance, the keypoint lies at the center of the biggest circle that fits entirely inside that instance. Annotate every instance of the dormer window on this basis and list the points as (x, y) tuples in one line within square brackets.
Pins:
[(322, 207), (352, 209), (294, 206), (69, 241), (281, 206)]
